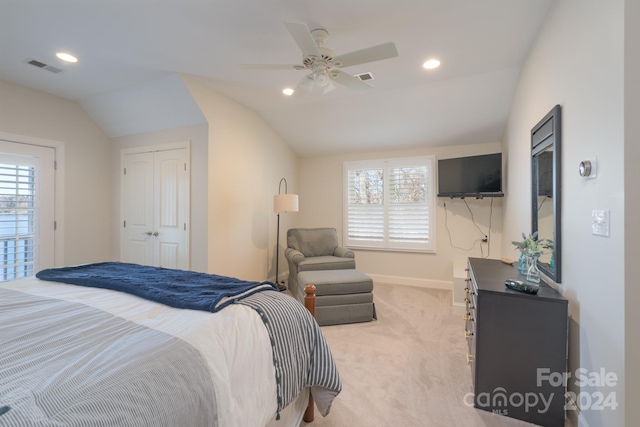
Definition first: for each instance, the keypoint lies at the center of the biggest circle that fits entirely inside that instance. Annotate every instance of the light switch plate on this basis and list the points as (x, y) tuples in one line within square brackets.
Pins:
[(600, 223)]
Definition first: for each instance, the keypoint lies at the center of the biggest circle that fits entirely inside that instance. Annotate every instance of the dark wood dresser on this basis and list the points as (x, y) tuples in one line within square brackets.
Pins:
[(517, 345)]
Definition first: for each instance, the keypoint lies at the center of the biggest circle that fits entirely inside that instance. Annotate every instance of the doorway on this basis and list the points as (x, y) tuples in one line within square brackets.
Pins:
[(27, 209)]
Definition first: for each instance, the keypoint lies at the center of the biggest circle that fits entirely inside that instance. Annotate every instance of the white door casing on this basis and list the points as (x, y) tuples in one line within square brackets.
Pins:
[(155, 196)]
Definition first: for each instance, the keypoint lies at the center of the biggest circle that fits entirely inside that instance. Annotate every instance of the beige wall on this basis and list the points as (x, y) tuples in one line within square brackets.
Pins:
[(320, 182), (85, 167), (197, 135), (246, 160), (577, 62)]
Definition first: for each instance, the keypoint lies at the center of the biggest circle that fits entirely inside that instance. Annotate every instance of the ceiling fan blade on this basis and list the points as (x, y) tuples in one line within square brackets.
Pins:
[(370, 54), (304, 39), (304, 87), (272, 66), (352, 82), (328, 87)]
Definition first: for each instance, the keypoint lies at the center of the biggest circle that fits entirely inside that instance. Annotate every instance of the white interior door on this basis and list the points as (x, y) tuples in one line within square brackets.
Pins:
[(138, 201), (156, 208), (27, 206), (170, 209)]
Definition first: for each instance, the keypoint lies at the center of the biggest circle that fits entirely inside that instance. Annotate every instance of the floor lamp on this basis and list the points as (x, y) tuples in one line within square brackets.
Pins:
[(283, 203)]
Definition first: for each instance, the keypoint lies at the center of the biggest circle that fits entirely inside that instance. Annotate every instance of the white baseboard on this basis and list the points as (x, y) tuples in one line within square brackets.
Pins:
[(410, 281), (459, 308)]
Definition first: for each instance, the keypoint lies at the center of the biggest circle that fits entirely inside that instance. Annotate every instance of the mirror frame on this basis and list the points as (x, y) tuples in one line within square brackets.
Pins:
[(547, 133)]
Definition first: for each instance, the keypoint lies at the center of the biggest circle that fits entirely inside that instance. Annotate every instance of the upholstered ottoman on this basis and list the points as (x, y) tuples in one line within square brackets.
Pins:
[(342, 296)]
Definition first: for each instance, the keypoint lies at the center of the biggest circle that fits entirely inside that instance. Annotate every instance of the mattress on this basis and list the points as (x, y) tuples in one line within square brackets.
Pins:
[(232, 346)]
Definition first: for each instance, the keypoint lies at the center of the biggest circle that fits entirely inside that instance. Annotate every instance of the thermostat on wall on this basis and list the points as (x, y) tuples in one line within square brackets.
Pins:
[(587, 168)]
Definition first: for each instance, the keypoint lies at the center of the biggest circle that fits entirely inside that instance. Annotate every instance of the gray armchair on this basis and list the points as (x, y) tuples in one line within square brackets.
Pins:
[(315, 249)]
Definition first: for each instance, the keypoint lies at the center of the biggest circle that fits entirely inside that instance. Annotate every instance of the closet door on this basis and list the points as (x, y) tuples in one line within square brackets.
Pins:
[(138, 209), (156, 207), (170, 209)]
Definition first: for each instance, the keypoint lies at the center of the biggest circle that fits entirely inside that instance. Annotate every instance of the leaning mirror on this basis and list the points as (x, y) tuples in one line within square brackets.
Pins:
[(545, 191)]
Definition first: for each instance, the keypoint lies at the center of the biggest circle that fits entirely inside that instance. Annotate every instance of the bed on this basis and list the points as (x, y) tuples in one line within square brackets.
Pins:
[(81, 355)]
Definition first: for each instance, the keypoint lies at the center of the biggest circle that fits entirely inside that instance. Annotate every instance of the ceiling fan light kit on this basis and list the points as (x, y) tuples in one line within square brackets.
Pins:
[(324, 64)]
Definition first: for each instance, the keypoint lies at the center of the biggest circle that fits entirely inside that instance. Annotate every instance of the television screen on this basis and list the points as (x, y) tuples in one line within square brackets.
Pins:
[(470, 176)]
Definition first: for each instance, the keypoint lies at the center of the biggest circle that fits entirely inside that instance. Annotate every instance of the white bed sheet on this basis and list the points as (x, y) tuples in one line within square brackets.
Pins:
[(234, 342)]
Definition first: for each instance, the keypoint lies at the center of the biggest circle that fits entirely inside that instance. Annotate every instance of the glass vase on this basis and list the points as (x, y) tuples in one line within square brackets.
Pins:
[(523, 263), (533, 274)]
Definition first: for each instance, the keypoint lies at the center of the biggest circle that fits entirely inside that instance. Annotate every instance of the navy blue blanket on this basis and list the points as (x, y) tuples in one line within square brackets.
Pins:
[(175, 288)]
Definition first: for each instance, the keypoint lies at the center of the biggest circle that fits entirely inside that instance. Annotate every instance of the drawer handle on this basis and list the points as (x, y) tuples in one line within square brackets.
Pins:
[(467, 280), (469, 358), (468, 334), (470, 307), (467, 317)]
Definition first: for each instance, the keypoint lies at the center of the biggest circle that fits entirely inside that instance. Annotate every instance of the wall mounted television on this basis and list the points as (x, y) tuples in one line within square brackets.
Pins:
[(473, 176)]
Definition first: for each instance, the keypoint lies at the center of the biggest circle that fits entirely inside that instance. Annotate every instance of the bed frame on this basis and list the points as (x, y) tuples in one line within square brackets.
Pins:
[(310, 304)]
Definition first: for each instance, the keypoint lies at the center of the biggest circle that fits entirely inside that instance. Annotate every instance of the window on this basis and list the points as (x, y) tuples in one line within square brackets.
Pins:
[(26, 209), (389, 204), (16, 220)]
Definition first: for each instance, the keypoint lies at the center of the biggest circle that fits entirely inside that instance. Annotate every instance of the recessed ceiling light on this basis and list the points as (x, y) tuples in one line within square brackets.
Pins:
[(66, 57), (431, 64), (288, 91)]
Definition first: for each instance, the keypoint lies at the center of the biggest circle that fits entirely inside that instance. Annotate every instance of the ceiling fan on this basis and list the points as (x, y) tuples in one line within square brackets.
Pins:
[(324, 64)]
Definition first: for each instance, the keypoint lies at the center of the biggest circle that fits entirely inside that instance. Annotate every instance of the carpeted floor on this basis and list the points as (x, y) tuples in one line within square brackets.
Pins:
[(406, 369)]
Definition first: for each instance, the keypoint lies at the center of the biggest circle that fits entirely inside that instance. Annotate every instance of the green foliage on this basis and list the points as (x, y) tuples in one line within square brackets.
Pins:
[(530, 245)]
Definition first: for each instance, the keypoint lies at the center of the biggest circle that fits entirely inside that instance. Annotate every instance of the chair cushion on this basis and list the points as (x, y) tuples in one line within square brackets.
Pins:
[(335, 282), (326, 263), (313, 242)]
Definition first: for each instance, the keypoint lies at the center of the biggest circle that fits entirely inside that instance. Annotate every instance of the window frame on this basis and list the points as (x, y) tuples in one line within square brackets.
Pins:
[(386, 164)]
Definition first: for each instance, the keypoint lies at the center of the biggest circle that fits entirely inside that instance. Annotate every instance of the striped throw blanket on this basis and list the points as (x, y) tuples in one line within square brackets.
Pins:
[(300, 353)]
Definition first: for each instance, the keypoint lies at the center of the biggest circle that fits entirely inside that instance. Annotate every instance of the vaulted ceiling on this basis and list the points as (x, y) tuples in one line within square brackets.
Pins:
[(133, 52)]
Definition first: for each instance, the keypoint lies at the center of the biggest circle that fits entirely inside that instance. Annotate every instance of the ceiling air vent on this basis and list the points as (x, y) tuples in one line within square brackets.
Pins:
[(365, 76), (43, 66)]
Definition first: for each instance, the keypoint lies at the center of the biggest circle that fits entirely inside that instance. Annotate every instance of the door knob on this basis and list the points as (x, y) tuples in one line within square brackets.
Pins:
[(156, 234), (148, 233)]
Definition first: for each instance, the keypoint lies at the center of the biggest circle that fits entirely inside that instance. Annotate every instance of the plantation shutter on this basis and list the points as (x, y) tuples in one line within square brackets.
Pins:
[(389, 204), (365, 208), (27, 194), (17, 221), (408, 207)]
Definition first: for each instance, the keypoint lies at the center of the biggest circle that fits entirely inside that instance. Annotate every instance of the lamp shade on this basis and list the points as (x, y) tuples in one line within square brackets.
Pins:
[(285, 203)]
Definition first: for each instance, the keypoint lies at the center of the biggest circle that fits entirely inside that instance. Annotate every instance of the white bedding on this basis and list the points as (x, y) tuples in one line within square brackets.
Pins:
[(234, 343)]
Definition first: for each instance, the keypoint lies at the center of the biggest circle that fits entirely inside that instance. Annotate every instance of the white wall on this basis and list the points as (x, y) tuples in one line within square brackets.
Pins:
[(86, 167), (246, 161), (632, 206), (198, 136), (577, 62), (321, 206)]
